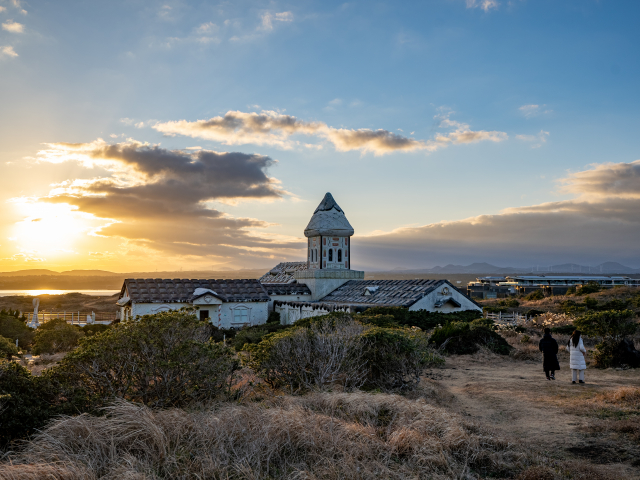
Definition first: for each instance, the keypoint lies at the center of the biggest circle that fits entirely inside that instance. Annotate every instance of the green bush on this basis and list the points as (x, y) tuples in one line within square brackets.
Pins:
[(338, 349), (7, 348), (611, 326), (56, 336), (28, 402), (571, 291), (591, 287), (422, 318), (14, 329), (161, 360), (535, 295), (464, 339), (274, 317), (94, 329), (563, 330), (251, 335), (509, 302)]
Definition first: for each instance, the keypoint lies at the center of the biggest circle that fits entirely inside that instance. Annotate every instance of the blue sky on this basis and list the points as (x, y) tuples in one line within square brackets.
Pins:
[(490, 108)]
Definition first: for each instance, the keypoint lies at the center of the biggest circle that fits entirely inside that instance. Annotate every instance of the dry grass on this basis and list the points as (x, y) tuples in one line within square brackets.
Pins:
[(326, 435)]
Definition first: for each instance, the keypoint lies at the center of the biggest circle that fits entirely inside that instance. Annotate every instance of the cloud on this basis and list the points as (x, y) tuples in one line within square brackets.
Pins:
[(268, 18), (13, 27), (533, 110), (7, 51), (485, 5), (160, 199), (274, 128), (17, 4), (619, 180), (539, 139), (601, 224), (2, 9)]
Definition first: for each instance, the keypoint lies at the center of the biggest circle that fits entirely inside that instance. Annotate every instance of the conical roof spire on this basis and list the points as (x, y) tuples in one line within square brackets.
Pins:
[(328, 220), (327, 204)]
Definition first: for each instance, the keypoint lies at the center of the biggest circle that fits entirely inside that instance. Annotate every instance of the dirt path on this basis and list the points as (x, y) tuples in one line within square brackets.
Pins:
[(515, 399)]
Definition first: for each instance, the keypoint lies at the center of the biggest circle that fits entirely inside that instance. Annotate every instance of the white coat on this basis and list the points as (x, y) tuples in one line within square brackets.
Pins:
[(576, 359)]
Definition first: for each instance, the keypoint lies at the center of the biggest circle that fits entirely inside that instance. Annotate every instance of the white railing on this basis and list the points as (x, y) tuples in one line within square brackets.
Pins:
[(73, 318)]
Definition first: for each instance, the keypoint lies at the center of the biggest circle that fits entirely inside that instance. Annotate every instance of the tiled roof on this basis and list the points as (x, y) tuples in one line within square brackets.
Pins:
[(158, 290), (287, 289), (397, 293), (283, 272)]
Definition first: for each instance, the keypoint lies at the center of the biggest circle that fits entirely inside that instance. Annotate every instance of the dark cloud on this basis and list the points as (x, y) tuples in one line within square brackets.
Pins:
[(602, 224), (160, 198)]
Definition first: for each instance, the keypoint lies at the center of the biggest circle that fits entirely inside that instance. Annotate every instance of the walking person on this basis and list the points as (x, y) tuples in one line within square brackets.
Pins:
[(549, 348), (576, 349)]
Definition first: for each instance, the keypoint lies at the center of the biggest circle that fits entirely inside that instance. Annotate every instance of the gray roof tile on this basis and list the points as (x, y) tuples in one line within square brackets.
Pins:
[(179, 290), (397, 293)]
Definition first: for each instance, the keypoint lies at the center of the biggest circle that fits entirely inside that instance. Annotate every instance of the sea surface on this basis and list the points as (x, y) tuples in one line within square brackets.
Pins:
[(35, 293)]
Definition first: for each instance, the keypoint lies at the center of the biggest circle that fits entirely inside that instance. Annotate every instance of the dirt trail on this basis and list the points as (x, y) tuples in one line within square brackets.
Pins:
[(515, 399)]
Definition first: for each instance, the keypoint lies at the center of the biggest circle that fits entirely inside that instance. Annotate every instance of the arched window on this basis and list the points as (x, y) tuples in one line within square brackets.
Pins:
[(340, 255), (331, 254)]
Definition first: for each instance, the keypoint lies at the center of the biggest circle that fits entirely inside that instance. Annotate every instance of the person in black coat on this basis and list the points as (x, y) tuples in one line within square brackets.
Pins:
[(549, 348)]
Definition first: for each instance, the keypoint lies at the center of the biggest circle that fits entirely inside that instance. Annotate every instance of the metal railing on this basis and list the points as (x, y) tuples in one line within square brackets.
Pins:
[(75, 318)]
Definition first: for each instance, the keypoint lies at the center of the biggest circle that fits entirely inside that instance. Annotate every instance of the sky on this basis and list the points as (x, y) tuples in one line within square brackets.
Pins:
[(160, 135)]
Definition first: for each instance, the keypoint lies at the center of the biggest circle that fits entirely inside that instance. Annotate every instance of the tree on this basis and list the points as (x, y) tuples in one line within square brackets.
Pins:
[(161, 360)]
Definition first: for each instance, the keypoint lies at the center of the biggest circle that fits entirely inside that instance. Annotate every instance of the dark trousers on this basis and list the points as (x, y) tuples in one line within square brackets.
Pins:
[(553, 372)]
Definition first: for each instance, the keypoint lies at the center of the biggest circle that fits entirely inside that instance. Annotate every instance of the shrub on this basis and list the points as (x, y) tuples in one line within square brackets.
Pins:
[(422, 318), (252, 335), (509, 302), (591, 287), (611, 327), (463, 339), (94, 329), (571, 291), (7, 348), (535, 295), (28, 402), (160, 360), (274, 317), (563, 329), (336, 349), (14, 329), (56, 336)]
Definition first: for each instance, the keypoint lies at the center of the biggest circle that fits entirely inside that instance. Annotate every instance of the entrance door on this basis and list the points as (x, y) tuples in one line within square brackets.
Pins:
[(204, 314)]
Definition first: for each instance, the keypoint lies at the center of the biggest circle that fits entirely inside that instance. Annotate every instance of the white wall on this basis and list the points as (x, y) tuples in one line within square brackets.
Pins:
[(290, 298), (428, 302), (257, 311)]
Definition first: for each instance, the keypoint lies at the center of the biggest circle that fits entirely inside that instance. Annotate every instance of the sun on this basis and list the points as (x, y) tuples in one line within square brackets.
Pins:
[(49, 229)]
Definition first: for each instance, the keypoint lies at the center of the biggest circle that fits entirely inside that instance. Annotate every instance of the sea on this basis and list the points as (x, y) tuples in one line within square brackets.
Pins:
[(35, 293)]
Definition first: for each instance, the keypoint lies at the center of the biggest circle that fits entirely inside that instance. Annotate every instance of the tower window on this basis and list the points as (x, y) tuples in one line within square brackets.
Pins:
[(331, 254), (340, 255)]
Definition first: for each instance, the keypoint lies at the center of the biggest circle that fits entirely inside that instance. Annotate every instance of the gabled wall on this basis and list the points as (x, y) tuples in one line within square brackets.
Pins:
[(428, 302)]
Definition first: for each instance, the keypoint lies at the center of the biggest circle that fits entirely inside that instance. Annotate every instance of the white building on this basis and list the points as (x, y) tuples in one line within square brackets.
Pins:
[(325, 282), (321, 284), (227, 303)]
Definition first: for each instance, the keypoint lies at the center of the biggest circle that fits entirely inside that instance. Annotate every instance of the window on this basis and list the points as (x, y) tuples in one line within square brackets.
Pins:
[(241, 315), (204, 314), (331, 254), (340, 255)]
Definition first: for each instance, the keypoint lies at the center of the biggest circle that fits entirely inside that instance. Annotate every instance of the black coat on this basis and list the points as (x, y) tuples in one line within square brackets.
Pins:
[(549, 348)]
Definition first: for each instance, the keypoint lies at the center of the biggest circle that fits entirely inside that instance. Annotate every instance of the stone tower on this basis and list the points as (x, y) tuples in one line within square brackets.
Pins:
[(328, 250), (328, 237)]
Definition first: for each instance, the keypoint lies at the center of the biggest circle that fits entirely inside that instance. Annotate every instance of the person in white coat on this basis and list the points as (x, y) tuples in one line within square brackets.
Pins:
[(576, 349)]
